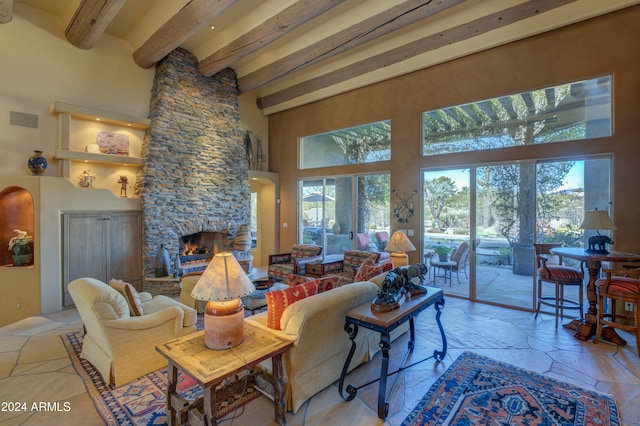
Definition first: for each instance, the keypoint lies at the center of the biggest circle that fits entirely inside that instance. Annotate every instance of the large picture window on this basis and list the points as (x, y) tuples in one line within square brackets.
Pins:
[(573, 111), (367, 143)]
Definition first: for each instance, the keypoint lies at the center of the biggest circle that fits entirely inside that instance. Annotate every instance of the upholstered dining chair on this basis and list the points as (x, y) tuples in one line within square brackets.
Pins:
[(619, 285), (550, 269)]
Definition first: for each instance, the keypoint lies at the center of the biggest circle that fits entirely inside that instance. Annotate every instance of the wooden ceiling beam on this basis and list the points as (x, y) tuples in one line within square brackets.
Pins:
[(6, 11), (90, 20), (272, 29), (188, 21), (418, 47), (376, 26)]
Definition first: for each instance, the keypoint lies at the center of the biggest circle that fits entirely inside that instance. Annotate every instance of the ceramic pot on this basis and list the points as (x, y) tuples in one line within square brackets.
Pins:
[(37, 163), (242, 241), (163, 262), (22, 259)]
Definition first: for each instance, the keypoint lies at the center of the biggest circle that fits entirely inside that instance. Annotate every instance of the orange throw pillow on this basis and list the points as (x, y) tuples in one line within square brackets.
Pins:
[(131, 294), (278, 300)]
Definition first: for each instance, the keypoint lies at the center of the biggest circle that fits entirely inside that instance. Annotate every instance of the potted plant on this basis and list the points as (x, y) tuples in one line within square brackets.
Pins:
[(442, 251), (21, 248)]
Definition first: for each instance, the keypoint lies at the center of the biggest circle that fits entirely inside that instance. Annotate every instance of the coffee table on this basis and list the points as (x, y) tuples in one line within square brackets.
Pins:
[(257, 300), (210, 367)]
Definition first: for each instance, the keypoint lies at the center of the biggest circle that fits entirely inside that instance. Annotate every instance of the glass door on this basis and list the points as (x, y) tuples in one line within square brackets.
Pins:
[(345, 212), (503, 209), (447, 226)]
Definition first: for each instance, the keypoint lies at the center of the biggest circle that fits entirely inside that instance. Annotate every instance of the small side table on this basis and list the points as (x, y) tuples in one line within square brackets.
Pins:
[(210, 367), (320, 268), (384, 323), (446, 267)]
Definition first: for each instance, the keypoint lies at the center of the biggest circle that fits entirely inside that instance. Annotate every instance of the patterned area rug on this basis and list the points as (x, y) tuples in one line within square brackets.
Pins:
[(476, 390), (142, 401)]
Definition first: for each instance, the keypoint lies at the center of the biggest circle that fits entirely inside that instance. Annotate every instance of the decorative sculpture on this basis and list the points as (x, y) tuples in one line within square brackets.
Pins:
[(599, 241), (396, 284), (123, 181)]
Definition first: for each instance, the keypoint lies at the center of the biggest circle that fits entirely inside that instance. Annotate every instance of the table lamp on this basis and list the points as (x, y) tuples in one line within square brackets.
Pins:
[(222, 285), (398, 245), (598, 219)]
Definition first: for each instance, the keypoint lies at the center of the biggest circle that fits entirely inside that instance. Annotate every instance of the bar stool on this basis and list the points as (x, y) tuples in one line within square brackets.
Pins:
[(559, 275)]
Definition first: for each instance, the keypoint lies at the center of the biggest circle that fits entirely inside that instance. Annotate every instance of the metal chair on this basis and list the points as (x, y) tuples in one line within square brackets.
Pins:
[(559, 275)]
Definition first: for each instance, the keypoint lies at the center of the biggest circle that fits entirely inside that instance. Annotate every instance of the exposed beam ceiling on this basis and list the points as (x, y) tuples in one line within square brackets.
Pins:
[(289, 52)]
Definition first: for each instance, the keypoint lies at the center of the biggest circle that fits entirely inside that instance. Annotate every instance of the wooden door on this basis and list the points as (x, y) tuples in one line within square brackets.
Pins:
[(86, 249), (126, 248)]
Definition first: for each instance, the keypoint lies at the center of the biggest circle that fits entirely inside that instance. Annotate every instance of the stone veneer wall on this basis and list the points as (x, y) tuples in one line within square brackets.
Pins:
[(195, 174)]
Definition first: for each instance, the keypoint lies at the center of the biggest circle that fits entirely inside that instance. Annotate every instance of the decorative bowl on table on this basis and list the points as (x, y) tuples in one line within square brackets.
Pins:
[(263, 284)]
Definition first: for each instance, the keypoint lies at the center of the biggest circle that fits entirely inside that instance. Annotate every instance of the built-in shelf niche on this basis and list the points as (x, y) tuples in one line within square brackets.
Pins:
[(16, 212)]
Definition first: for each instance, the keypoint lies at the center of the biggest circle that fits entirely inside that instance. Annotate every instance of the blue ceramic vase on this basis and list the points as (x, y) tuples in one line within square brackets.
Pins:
[(37, 163)]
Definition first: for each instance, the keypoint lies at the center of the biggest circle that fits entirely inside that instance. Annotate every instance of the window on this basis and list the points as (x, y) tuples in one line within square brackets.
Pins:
[(573, 111), (361, 144)]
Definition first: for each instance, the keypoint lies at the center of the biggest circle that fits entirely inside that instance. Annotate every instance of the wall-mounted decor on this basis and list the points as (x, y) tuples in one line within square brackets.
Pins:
[(403, 208), (112, 143)]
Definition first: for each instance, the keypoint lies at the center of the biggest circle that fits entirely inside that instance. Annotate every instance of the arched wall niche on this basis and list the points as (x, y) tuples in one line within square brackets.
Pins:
[(16, 212)]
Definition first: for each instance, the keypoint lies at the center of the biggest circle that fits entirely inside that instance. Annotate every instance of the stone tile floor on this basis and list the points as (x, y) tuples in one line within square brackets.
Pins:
[(34, 366)]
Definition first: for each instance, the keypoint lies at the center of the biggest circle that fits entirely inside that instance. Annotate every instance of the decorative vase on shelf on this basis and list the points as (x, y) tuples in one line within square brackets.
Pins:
[(37, 163), (21, 248), (163, 262)]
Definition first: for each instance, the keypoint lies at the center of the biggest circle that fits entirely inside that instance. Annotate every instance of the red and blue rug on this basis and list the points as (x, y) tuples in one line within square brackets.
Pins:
[(142, 401), (476, 390)]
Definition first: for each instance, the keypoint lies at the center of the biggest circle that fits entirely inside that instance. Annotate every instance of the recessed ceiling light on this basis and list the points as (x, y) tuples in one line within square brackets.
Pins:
[(213, 27), (97, 118)]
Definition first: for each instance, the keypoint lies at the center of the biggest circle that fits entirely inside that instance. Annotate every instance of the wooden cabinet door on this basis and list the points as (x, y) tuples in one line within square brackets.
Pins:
[(102, 246), (126, 248), (86, 249)]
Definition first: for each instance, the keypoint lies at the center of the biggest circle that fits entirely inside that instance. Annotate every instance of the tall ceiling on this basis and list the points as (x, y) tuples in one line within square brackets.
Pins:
[(290, 52)]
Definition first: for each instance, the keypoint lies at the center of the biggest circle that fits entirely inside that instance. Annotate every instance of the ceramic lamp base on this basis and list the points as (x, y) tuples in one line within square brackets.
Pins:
[(399, 259), (224, 324)]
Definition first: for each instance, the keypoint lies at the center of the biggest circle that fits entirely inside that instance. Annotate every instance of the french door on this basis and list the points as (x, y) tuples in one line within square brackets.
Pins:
[(501, 210), (332, 211)]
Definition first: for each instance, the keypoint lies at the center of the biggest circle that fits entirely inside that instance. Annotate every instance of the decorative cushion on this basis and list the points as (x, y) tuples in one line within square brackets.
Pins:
[(327, 283), (279, 300), (130, 294), (561, 272), (367, 271), (621, 284), (298, 279), (301, 251), (387, 266)]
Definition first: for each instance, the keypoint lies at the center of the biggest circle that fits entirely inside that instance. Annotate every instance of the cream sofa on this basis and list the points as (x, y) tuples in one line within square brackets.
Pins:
[(316, 324), (120, 346)]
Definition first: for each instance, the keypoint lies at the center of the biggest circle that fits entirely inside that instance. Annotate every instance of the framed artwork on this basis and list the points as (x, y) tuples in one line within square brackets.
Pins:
[(113, 143)]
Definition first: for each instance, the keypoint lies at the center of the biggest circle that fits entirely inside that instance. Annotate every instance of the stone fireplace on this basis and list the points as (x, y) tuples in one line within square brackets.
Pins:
[(195, 178)]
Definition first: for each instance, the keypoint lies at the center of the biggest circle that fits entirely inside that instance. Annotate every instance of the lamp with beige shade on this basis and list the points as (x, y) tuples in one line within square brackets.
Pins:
[(222, 285), (398, 245)]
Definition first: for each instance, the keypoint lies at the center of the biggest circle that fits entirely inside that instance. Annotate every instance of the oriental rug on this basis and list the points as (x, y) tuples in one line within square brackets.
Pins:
[(476, 390), (143, 401)]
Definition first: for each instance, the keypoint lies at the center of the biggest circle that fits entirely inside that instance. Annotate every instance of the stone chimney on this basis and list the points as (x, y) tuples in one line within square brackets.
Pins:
[(195, 174)]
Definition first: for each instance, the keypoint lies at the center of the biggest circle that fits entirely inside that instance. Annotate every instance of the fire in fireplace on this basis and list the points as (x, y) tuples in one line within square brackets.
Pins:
[(200, 246)]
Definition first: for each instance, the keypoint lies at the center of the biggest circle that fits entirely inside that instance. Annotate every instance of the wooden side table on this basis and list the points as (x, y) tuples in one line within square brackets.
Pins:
[(210, 367), (319, 268), (384, 323)]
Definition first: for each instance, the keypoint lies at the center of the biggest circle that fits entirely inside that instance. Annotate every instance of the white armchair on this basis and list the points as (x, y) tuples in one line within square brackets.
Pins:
[(121, 346)]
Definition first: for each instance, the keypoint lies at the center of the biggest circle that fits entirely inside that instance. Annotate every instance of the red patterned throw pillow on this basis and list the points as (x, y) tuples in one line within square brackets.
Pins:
[(328, 283), (367, 271), (279, 300), (298, 279), (131, 294)]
